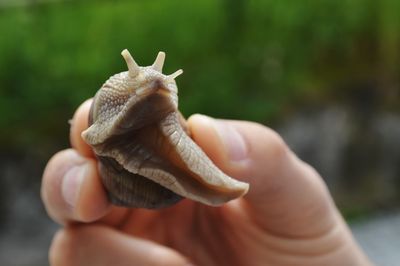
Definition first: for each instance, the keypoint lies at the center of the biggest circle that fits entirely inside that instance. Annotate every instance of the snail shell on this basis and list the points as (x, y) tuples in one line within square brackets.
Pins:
[(146, 156)]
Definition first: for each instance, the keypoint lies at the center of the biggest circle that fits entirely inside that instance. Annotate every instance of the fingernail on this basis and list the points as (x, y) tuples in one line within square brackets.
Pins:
[(72, 182), (233, 141)]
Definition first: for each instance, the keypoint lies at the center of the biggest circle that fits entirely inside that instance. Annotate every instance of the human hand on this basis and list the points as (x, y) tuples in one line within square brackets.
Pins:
[(287, 217)]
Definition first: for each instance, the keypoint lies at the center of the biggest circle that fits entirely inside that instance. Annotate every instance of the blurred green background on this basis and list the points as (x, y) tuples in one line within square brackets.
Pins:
[(264, 56), (318, 72)]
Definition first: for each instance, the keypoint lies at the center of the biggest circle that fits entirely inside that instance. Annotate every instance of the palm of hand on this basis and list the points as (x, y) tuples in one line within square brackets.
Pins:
[(205, 235)]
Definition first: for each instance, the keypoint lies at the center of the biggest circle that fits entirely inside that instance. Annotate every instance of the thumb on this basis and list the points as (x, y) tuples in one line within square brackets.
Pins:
[(286, 195)]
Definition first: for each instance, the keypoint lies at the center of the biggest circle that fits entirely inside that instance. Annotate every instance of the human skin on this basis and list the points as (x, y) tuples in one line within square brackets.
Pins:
[(287, 217)]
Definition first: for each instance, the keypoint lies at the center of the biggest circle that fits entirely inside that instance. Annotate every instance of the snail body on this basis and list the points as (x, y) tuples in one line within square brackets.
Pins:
[(146, 156)]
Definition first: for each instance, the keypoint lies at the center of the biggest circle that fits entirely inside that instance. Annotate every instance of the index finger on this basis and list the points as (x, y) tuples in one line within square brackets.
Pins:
[(79, 123)]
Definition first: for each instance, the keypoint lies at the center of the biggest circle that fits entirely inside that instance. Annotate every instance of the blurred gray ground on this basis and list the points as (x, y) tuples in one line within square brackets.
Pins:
[(357, 153), (380, 238), (26, 236)]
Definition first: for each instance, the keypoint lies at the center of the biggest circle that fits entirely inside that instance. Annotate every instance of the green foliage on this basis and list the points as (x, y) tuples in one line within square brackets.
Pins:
[(242, 59)]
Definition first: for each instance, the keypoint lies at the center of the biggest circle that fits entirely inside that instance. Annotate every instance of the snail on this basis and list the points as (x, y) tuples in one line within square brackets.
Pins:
[(146, 156)]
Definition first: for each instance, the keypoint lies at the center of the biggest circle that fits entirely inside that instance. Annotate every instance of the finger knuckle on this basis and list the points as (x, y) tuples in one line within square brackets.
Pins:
[(278, 146), (166, 257), (275, 145)]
